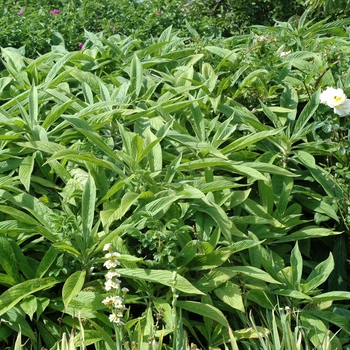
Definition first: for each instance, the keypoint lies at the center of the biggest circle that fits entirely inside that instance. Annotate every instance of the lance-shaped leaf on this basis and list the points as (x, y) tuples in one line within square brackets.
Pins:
[(205, 310), (72, 286), (8, 259), (88, 208), (162, 277), (319, 274), (296, 263), (33, 105), (15, 294), (310, 232), (25, 171)]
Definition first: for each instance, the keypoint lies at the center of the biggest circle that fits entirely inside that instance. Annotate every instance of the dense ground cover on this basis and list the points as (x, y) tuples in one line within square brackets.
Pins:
[(179, 192), (37, 25)]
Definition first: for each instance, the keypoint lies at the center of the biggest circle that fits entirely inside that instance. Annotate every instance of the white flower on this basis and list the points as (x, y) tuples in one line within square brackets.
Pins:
[(112, 274), (112, 255), (118, 302), (125, 290), (285, 53), (332, 97), (108, 301), (109, 264), (113, 318), (344, 109), (107, 247), (112, 284)]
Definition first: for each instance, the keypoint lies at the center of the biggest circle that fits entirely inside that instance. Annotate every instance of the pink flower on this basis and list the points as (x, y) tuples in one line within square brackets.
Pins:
[(55, 12), (21, 11), (80, 46), (159, 13)]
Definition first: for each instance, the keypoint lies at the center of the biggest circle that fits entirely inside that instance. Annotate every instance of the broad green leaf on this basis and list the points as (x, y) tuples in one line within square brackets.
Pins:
[(22, 261), (46, 262), (67, 248), (56, 68), (30, 203), (19, 215), (33, 105), (319, 274), (214, 186), (319, 206), (187, 253), (296, 263), (153, 151), (15, 294), (338, 295), (108, 238), (42, 304), (172, 169), (79, 155), (269, 112), (7, 280), (195, 144), (73, 286), (318, 330), (115, 188), (310, 232), (226, 226), (156, 208), (330, 186), (211, 260), (25, 171), (306, 159), (88, 209), (255, 273), (14, 63), (268, 168), (292, 294), (205, 310), (8, 259), (313, 318), (250, 78), (56, 113), (263, 298), (258, 211), (116, 210), (29, 305), (249, 140), (305, 115), (251, 333), (162, 277), (215, 278), (226, 54), (164, 308), (231, 295), (15, 318), (136, 76), (222, 164)]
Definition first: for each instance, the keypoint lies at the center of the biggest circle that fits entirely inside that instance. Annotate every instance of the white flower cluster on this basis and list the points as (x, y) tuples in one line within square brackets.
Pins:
[(260, 38), (116, 302), (336, 99)]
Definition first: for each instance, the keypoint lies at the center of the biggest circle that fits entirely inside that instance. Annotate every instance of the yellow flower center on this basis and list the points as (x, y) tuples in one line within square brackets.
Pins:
[(337, 98)]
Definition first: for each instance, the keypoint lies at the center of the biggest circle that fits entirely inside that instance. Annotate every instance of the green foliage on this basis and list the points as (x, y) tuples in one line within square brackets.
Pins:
[(204, 168), (36, 28)]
